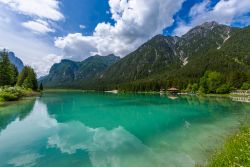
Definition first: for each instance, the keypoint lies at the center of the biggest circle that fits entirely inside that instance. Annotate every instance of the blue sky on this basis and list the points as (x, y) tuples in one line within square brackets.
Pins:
[(84, 12), (42, 32), (90, 13), (182, 14)]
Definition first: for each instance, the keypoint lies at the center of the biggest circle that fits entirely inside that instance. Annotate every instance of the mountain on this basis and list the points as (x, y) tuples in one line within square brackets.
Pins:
[(155, 56), (69, 73), (164, 53), (15, 60), (166, 61)]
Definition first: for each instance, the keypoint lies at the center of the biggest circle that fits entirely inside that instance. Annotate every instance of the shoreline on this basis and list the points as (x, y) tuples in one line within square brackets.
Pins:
[(234, 150), (145, 92), (23, 99), (29, 96)]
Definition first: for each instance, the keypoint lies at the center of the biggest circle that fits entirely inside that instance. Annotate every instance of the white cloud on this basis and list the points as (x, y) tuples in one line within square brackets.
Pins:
[(42, 66), (82, 26), (105, 147), (36, 51), (136, 21), (48, 9), (28, 159), (40, 11), (182, 29), (76, 47), (38, 26), (224, 12)]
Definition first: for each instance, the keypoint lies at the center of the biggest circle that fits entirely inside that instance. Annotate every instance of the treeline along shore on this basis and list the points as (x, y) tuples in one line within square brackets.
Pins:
[(15, 85)]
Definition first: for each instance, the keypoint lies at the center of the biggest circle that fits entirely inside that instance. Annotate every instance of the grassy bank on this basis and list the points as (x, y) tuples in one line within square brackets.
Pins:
[(235, 151), (15, 93)]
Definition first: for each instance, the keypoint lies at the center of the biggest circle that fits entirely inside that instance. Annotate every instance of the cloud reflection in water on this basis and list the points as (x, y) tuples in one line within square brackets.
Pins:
[(115, 147)]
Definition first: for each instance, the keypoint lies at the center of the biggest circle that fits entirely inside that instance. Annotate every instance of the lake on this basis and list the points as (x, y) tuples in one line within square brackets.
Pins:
[(115, 130)]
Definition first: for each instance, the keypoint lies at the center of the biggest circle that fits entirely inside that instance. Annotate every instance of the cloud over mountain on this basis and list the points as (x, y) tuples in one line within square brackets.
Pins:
[(224, 12), (136, 21)]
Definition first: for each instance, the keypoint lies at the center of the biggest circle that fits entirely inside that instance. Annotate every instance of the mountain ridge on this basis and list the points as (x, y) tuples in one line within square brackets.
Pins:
[(68, 73), (174, 52), (166, 61)]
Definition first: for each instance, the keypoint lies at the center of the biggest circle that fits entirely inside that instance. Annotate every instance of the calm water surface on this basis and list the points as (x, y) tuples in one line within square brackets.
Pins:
[(107, 130)]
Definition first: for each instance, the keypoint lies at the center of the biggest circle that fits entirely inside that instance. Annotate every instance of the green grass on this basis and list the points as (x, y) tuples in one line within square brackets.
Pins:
[(235, 152), (14, 93)]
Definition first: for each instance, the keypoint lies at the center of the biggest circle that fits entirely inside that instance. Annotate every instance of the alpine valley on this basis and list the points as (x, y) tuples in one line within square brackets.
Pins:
[(125, 83), (164, 61)]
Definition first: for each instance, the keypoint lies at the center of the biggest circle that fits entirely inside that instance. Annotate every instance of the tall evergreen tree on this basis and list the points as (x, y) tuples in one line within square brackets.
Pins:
[(27, 78), (41, 86), (33, 78), (8, 72), (22, 76), (15, 75)]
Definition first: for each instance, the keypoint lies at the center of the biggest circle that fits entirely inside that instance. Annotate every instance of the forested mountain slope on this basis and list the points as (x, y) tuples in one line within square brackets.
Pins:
[(165, 61), (162, 53), (69, 73)]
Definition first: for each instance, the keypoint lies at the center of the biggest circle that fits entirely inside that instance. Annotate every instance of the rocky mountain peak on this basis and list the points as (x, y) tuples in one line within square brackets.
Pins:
[(204, 29), (209, 25)]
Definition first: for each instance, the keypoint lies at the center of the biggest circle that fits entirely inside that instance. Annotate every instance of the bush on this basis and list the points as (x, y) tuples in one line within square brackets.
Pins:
[(195, 87), (223, 89), (211, 81), (245, 86), (201, 90), (12, 93)]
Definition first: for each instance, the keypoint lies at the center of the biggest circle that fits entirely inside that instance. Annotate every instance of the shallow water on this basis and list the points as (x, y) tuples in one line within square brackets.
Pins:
[(115, 130)]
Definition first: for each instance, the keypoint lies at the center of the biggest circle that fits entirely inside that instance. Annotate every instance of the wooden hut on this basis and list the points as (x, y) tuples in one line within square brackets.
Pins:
[(173, 91)]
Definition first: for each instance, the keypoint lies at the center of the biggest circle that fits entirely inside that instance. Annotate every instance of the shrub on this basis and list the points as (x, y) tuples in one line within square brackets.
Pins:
[(12, 93), (223, 89), (201, 90), (211, 81), (195, 87), (189, 88), (245, 86)]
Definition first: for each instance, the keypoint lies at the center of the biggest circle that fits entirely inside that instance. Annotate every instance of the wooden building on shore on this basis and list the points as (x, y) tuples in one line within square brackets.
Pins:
[(173, 91)]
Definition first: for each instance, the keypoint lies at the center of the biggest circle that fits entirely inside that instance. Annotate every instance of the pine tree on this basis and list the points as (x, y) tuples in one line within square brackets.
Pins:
[(41, 86), (27, 83), (32, 76), (27, 78), (22, 76), (7, 71), (15, 75)]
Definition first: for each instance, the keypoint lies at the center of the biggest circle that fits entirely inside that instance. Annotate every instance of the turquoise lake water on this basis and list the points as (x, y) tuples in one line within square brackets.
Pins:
[(78, 129)]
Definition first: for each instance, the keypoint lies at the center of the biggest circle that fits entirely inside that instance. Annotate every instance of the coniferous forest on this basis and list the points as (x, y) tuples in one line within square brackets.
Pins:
[(13, 84)]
